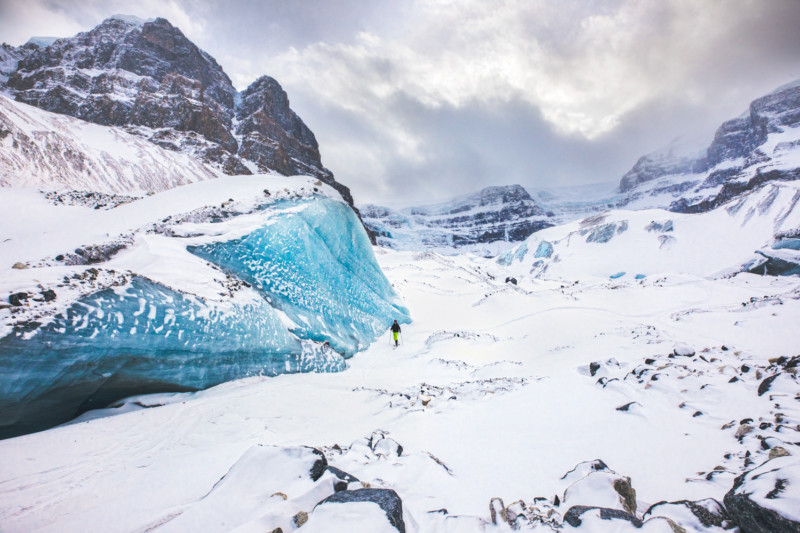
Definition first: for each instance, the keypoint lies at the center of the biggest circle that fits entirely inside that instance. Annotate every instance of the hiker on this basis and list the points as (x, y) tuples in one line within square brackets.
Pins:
[(395, 331)]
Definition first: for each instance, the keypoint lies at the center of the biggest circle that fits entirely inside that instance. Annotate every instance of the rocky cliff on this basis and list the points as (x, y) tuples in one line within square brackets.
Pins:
[(761, 145), (149, 79)]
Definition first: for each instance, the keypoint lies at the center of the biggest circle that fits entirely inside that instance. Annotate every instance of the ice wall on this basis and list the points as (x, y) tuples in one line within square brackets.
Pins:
[(312, 263), (317, 266)]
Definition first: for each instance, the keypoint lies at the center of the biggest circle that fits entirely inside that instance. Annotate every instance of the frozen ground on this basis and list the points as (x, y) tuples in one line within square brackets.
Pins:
[(492, 394)]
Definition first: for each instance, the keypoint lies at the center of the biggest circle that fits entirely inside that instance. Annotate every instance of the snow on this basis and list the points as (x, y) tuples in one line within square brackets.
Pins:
[(477, 431), (50, 151), (43, 42), (166, 312)]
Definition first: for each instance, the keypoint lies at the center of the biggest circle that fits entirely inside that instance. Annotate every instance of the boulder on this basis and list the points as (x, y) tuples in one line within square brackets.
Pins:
[(767, 498), (574, 514), (387, 499)]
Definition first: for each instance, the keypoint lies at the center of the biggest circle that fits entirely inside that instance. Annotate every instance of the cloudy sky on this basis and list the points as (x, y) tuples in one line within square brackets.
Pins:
[(419, 100)]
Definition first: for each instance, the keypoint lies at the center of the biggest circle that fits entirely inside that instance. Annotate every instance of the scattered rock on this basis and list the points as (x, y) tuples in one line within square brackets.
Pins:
[(17, 298), (20, 266), (627, 406), (49, 295), (300, 518), (683, 350)]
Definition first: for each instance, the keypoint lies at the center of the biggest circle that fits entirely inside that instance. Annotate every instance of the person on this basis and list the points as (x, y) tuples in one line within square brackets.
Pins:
[(395, 331)]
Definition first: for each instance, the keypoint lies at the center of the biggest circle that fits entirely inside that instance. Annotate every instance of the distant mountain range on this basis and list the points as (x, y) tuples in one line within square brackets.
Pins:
[(760, 146)]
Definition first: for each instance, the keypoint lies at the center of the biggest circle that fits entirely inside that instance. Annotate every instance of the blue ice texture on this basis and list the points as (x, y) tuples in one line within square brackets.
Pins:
[(787, 243), (522, 251), (617, 275), (639, 276), (544, 250), (313, 264)]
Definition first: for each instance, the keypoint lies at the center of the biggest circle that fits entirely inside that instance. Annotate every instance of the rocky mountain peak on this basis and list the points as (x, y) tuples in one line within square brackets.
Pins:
[(756, 147), (149, 78)]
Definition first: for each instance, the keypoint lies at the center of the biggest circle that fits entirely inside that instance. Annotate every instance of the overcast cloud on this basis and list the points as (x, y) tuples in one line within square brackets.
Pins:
[(417, 100)]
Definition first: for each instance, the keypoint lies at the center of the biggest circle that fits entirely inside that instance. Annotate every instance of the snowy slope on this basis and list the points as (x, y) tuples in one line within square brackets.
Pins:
[(49, 151), (493, 397), (650, 242)]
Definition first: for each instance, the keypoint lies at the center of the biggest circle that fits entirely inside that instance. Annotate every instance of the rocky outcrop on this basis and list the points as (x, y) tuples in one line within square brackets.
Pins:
[(148, 78), (759, 498), (386, 499)]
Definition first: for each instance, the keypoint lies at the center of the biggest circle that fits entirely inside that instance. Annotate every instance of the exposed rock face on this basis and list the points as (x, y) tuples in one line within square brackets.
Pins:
[(492, 214), (746, 152), (150, 79), (756, 497)]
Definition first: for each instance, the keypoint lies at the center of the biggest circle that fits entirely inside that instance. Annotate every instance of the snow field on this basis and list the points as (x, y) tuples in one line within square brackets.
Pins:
[(490, 395)]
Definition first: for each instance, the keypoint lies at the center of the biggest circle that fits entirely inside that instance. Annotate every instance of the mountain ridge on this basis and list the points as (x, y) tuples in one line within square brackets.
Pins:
[(149, 79)]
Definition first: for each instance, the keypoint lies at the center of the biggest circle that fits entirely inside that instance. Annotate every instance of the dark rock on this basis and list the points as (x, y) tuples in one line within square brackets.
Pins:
[(17, 298), (626, 406), (49, 295), (573, 515), (742, 501), (60, 257), (594, 367), (765, 385), (512, 281), (649, 361), (387, 499), (319, 466)]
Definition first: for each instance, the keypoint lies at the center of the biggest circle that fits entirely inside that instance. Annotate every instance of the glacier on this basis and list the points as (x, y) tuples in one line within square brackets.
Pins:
[(311, 295)]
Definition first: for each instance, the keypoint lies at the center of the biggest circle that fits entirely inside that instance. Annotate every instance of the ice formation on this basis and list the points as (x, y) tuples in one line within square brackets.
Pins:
[(316, 296)]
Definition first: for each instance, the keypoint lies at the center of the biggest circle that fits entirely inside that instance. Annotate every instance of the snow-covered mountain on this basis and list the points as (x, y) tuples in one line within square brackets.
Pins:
[(148, 78), (761, 145), (472, 221), (756, 232)]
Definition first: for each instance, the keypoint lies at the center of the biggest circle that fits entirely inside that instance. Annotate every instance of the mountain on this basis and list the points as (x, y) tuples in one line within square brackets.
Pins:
[(494, 214), (149, 79), (756, 232), (761, 145)]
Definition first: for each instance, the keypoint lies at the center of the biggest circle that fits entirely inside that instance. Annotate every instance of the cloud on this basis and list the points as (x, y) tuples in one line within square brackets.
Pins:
[(427, 97)]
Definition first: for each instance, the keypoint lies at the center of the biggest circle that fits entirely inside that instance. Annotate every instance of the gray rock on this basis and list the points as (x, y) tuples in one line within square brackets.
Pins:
[(771, 482), (387, 499), (573, 515)]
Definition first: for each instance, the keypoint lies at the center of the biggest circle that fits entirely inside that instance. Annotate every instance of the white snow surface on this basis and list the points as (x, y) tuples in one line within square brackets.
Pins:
[(56, 152), (490, 395)]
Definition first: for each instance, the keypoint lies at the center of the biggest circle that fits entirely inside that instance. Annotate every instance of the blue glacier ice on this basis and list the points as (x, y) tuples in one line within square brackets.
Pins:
[(522, 251), (544, 250), (617, 275), (313, 264)]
